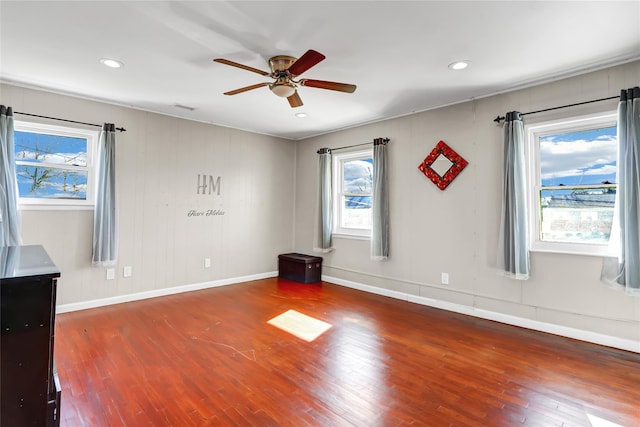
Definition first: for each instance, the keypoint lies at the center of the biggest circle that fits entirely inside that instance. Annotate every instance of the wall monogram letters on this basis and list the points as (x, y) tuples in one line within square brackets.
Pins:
[(208, 183)]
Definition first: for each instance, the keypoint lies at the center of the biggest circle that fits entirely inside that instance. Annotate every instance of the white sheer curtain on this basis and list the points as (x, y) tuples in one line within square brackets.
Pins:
[(513, 246), (380, 202), (9, 213), (324, 225), (622, 267), (105, 218)]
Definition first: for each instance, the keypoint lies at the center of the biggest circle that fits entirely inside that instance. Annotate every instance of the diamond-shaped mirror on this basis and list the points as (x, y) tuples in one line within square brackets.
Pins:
[(442, 165)]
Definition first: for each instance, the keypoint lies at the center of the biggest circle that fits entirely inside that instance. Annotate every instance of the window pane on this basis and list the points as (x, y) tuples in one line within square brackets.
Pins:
[(579, 158), (357, 187), (357, 176), (45, 148), (356, 212), (52, 183), (577, 216)]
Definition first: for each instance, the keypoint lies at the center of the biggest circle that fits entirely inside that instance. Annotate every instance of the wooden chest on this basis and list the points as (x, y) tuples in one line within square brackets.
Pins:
[(300, 267)]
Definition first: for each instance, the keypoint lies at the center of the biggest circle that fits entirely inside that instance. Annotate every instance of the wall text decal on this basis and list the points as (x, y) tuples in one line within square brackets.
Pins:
[(208, 212), (208, 183)]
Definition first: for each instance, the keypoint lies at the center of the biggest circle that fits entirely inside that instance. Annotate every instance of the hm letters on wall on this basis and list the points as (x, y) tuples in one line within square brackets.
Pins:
[(208, 185)]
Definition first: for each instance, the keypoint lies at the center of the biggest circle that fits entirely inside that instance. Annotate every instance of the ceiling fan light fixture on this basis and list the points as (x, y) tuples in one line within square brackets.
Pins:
[(283, 90)]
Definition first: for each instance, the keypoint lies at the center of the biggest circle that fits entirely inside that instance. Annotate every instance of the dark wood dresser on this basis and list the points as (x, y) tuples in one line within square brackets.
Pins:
[(29, 388)]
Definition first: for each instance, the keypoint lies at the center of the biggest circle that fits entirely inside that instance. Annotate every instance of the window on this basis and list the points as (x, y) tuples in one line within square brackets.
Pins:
[(54, 165), (353, 181), (572, 169)]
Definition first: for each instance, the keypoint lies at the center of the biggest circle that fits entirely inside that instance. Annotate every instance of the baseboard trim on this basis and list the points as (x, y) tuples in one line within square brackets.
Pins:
[(579, 334), (66, 308)]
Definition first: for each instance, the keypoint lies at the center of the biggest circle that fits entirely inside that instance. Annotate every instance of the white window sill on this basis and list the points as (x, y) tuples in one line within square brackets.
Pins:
[(350, 236), (584, 249), (54, 207)]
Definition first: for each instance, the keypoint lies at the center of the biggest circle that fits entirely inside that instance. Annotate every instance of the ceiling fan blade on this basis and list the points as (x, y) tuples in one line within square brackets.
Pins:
[(244, 67), (294, 100), (306, 61), (246, 88), (340, 87)]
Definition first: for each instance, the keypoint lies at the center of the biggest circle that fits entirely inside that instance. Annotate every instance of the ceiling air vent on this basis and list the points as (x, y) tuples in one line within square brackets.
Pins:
[(184, 107)]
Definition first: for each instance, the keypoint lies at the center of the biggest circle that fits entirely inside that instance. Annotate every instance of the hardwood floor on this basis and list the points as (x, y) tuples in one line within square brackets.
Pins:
[(210, 358)]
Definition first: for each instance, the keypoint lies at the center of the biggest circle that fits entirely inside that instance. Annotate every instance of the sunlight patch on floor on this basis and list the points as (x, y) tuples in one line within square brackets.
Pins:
[(599, 422), (302, 326)]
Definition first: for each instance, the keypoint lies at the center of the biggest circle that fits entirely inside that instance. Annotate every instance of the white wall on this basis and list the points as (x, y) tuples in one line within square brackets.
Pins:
[(456, 230), (158, 160)]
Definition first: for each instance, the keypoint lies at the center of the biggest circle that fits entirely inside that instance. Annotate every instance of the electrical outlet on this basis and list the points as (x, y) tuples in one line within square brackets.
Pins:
[(445, 278), (207, 262), (111, 273), (127, 271)]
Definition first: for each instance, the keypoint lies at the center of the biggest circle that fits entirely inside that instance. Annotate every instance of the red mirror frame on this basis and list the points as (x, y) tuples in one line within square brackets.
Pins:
[(458, 163)]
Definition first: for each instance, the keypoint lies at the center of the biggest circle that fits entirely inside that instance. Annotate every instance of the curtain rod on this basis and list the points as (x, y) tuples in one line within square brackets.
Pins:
[(498, 119), (356, 145), (65, 120)]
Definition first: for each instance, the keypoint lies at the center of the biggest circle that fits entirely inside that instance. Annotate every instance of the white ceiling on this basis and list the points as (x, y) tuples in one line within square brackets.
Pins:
[(395, 52)]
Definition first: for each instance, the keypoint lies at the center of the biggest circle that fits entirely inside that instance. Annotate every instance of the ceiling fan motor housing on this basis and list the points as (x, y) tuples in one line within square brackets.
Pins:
[(280, 64)]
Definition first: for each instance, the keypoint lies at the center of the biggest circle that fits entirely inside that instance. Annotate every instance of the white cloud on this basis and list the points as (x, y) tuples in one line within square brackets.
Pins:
[(559, 159), (358, 176), (77, 159)]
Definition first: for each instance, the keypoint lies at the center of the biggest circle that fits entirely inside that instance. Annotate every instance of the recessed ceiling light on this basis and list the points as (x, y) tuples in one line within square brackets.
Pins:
[(458, 65), (111, 63), (301, 115)]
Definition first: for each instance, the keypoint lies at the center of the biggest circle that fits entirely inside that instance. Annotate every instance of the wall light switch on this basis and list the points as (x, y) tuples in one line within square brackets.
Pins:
[(127, 271), (111, 273), (207, 262), (445, 278)]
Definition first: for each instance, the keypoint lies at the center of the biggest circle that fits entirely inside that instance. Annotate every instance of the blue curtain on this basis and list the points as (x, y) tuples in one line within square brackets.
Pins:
[(105, 218), (513, 246), (9, 214), (622, 267), (380, 202), (325, 203)]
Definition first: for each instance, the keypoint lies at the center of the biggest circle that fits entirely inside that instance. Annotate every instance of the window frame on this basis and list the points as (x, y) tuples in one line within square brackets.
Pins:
[(338, 179), (91, 136), (533, 132)]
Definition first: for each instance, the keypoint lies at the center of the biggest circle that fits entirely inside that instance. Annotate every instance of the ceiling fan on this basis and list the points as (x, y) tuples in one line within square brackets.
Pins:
[(284, 69)]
